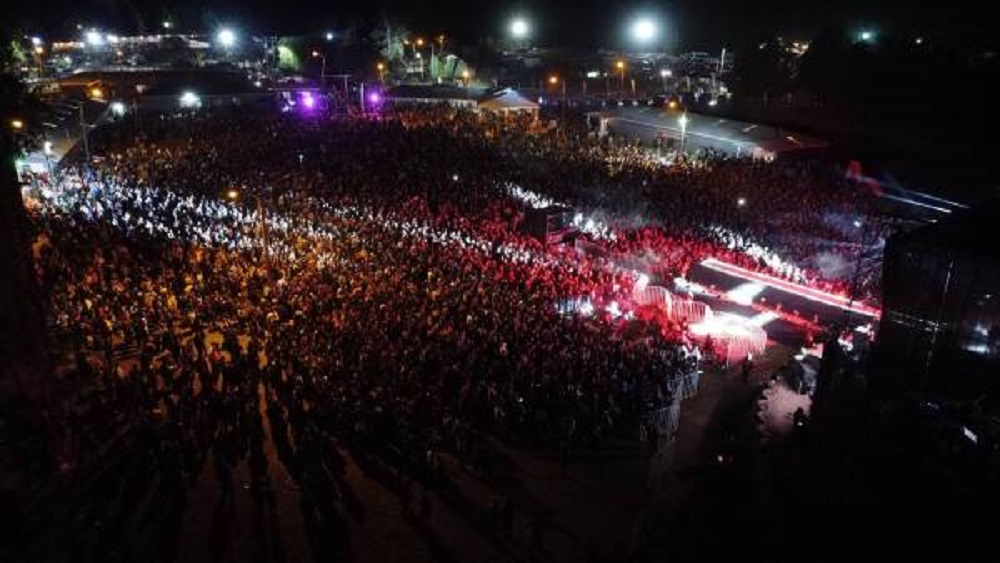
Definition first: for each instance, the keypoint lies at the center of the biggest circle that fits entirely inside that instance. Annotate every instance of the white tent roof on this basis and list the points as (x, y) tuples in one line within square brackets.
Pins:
[(507, 99)]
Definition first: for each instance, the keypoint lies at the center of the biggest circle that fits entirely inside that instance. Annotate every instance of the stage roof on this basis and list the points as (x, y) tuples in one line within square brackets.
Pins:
[(712, 131), (507, 100)]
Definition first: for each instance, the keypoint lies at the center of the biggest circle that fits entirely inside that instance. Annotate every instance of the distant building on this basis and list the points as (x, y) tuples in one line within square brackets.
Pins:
[(505, 100), (432, 94)]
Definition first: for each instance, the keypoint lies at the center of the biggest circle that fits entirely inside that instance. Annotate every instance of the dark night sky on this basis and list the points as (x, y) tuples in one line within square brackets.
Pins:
[(697, 24)]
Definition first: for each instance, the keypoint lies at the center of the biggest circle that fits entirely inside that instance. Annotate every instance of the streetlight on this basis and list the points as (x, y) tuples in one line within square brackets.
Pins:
[(226, 38), (190, 100), (420, 43), (167, 24), (117, 108), (96, 93), (36, 41), (322, 72), (553, 80), (620, 65), (741, 201), (235, 194), (644, 30), (520, 28), (16, 124), (465, 77), (94, 38), (381, 71), (683, 122), (329, 36), (664, 75)]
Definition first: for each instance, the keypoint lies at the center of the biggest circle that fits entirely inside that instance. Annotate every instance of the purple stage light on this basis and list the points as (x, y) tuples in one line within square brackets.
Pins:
[(374, 97)]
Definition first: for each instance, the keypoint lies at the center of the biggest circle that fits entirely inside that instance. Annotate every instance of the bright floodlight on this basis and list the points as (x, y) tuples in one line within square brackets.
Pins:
[(226, 37), (666, 73), (683, 121), (117, 108), (167, 24), (94, 38), (644, 30), (190, 100), (741, 201), (519, 28), (329, 36), (866, 35), (36, 41)]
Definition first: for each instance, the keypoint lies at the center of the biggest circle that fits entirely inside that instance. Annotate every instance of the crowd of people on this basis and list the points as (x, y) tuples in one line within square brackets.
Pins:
[(359, 278), (363, 285)]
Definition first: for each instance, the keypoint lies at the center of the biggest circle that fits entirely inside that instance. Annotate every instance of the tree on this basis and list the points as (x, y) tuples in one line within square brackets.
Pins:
[(288, 59), (389, 37)]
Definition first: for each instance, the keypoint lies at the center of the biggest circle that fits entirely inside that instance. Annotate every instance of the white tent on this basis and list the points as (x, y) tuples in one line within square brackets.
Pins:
[(507, 100)]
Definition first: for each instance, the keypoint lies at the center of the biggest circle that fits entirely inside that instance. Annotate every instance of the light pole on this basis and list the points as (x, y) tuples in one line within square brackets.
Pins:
[(664, 75), (84, 132), (644, 30), (381, 72), (227, 39), (683, 121), (47, 150), (553, 80), (233, 196), (520, 29), (322, 72), (620, 65)]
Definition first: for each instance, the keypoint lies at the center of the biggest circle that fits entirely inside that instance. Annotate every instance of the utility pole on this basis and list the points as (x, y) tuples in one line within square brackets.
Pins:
[(262, 217), (85, 130)]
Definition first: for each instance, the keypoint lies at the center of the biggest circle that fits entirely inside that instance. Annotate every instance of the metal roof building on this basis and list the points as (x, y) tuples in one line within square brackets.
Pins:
[(710, 132)]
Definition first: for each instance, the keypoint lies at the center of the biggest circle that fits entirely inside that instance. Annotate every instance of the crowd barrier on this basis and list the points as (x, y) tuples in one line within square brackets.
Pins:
[(728, 336)]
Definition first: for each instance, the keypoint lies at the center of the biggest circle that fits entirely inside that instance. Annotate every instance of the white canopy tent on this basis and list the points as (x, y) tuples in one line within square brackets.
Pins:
[(507, 100)]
